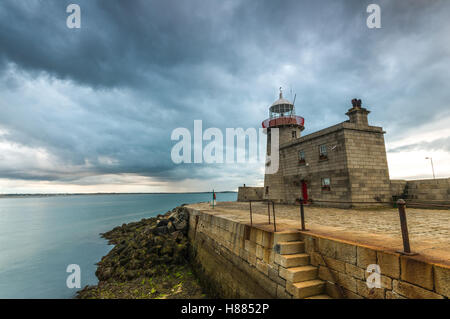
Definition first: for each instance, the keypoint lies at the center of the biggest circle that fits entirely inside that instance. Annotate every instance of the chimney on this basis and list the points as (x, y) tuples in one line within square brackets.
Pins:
[(358, 114)]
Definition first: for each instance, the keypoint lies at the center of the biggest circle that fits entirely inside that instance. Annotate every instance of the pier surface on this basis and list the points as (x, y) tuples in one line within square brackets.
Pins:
[(429, 229)]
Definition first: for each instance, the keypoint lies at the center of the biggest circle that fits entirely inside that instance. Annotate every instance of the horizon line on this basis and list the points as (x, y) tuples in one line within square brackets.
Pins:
[(108, 193)]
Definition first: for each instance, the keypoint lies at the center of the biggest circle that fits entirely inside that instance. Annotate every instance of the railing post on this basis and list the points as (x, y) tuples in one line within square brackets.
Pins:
[(404, 226), (274, 221), (302, 214), (268, 210), (251, 217)]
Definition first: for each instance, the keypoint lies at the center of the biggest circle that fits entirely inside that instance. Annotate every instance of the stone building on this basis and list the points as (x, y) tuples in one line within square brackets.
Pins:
[(342, 163)]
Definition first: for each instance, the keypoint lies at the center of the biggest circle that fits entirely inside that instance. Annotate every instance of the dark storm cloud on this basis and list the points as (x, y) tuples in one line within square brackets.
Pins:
[(138, 69)]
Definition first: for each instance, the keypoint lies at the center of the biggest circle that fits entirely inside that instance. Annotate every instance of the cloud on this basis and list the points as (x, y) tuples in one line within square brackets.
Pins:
[(103, 100), (440, 144)]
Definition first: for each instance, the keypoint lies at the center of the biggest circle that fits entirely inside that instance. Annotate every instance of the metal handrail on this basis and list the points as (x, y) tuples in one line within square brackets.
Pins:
[(268, 211), (401, 205)]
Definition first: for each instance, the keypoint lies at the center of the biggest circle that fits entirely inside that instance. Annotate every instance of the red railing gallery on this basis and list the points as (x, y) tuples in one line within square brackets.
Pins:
[(284, 120)]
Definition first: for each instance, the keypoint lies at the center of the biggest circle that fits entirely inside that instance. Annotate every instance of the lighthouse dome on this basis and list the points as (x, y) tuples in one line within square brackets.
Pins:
[(281, 105), (281, 101), (282, 114)]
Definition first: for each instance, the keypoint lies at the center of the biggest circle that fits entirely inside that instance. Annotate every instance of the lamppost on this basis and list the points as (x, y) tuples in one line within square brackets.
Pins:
[(432, 167)]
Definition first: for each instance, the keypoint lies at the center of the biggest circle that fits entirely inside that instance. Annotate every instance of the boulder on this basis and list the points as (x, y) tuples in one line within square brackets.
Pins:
[(170, 227), (162, 222), (161, 230), (180, 225)]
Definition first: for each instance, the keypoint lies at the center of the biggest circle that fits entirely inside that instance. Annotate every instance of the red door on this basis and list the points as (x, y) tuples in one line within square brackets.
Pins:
[(304, 192)]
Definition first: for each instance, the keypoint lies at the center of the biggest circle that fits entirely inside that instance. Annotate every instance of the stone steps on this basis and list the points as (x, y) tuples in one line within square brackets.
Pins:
[(292, 260), (319, 297), (289, 247), (301, 277), (298, 274), (286, 236), (306, 289)]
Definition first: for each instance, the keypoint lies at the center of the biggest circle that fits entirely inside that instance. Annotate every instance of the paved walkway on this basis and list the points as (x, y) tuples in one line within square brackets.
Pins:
[(429, 230)]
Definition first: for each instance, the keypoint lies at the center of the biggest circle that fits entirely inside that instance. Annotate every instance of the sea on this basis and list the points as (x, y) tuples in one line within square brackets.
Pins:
[(41, 236)]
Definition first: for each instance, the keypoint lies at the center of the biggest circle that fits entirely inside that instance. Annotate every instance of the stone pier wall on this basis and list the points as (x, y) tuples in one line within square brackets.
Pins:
[(402, 277), (234, 260), (427, 190), (246, 193), (237, 261)]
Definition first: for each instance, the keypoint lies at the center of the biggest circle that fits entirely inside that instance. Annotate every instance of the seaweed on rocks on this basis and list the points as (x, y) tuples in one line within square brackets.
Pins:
[(149, 260)]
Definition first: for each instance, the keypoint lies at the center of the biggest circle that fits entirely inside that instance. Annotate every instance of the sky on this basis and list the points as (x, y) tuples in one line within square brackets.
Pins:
[(92, 109)]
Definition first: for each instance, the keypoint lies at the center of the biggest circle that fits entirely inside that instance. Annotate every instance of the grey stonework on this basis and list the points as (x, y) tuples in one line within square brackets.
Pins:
[(356, 164), (246, 193), (427, 190)]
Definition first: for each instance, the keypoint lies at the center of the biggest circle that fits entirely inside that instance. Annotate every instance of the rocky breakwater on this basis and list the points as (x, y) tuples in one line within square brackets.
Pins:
[(149, 260)]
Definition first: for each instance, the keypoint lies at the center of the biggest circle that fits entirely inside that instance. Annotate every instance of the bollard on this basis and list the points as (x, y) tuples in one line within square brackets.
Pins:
[(251, 218), (274, 222), (404, 226), (302, 214)]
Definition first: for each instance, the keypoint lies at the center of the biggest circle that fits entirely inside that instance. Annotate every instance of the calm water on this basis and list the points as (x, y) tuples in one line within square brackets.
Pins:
[(40, 236)]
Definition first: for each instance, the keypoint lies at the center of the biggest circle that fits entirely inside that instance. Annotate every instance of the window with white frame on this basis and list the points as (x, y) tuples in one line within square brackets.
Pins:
[(301, 157), (326, 183), (323, 151)]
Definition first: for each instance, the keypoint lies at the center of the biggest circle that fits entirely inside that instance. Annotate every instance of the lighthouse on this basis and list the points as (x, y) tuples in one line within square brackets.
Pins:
[(282, 117)]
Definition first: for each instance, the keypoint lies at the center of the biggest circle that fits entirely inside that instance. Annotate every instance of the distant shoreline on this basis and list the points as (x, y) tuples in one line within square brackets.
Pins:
[(94, 194)]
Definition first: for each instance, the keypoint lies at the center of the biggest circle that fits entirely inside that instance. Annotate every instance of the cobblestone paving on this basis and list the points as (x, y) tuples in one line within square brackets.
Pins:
[(429, 229), (422, 223)]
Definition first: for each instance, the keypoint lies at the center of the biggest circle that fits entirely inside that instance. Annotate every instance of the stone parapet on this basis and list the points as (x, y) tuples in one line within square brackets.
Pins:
[(239, 261), (426, 190), (344, 265), (246, 193)]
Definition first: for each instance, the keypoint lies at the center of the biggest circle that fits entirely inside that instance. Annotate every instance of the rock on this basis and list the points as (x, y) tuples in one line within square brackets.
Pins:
[(180, 225), (166, 251), (177, 235), (162, 222), (104, 274), (130, 274), (124, 261), (150, 247), (170, 227), (161, 230), (172, 215), (120, 248)]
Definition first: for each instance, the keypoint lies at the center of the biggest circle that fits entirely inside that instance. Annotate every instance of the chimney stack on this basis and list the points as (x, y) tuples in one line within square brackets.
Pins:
[(358, 114)]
